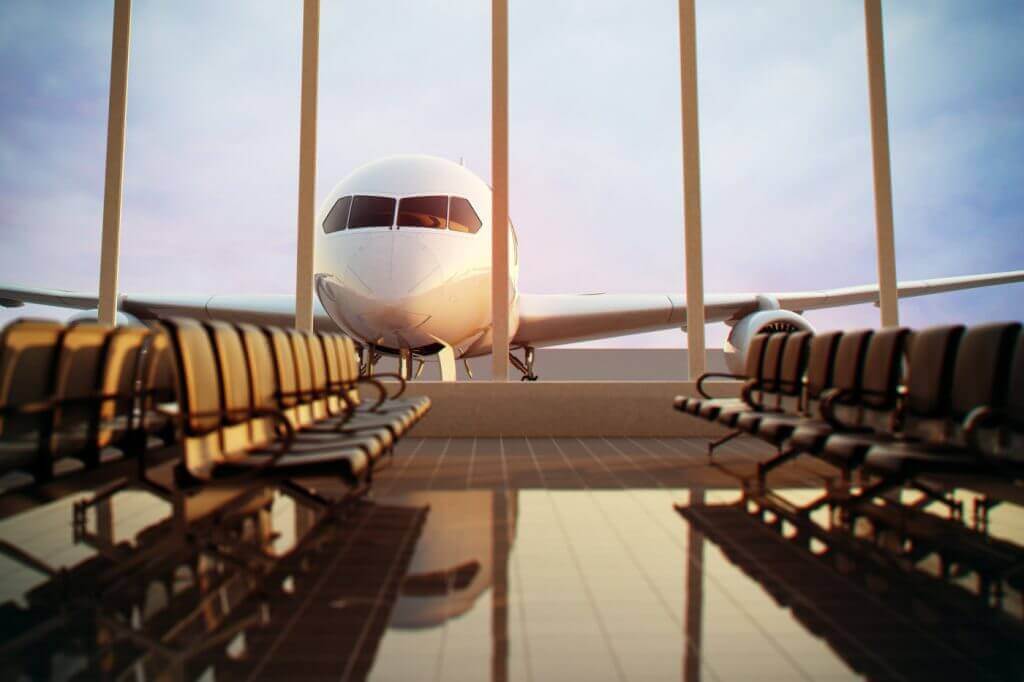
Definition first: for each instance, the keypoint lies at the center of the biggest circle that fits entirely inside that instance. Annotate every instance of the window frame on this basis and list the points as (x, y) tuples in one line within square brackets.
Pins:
[(394, 212), (323, 225), (479, 220), (447, 207)]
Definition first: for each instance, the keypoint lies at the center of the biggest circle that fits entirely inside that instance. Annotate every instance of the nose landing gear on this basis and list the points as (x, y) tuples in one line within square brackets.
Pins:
[(526, 367)]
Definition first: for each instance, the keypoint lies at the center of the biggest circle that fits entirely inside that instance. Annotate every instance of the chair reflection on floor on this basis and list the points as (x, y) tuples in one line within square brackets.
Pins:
[(225, 600), (882, 616)]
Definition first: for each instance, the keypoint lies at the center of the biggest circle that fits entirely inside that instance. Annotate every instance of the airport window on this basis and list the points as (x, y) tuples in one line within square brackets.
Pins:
[(423, 212), (337, 217), (462, 217), (371, 212), (515, 243)]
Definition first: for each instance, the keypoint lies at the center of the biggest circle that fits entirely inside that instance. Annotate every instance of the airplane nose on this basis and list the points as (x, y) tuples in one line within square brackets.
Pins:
[(390, 286), (397, 271)]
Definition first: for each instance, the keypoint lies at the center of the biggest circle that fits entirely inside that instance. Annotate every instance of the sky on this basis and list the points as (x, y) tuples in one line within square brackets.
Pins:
[(211, 161)]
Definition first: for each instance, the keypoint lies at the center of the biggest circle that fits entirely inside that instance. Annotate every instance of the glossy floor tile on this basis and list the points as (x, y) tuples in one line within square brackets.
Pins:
[(514, 559)]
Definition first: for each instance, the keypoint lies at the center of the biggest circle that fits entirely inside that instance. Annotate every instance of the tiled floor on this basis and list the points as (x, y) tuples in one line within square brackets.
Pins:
[(582, 463), (500, 559)]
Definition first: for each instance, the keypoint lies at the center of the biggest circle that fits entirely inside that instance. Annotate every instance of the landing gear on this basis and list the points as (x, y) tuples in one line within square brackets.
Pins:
[(525, 367), (368, 357)]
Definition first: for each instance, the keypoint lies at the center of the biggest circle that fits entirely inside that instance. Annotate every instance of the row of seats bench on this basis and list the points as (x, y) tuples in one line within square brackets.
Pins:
[(225, 400), (894, 404)]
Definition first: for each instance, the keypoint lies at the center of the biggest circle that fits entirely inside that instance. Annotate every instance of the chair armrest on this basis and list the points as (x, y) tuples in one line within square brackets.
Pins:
[(747, 393), (827, 406), (382, 391), (980, 417), (391, 375), (708, 375)]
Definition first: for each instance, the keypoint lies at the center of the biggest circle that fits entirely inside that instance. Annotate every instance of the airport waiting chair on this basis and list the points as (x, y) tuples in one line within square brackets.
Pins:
[(416, 406), (727, 410), (343, 417), (972, 421), (771, 393), (70, 392), (834, 371), (312, 386), (28, 352), (224, 434), (752, 373), (391, 410)]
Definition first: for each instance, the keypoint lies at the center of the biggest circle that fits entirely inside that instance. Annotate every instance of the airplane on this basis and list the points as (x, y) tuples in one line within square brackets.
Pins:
[(403, 263)]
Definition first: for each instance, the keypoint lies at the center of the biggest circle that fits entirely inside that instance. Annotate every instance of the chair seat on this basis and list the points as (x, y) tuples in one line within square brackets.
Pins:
[(710, 409), (750, 420), (372, 444), (847, 450), (680, 401), (349, 462), (908, 459), (19, 452), (729, 414), (777, 428), (810, 436)]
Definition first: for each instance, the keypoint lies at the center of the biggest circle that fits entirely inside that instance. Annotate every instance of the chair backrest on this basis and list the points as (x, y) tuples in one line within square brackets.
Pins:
[(284, 368), (28, 353), (791, 371), (262, 379), (847, 373), (121, 377), (931, 355), (980, 375), (770, 368), (200, 395), (76, 385), (349, 364), (318, 373), (236, 390), (755, 356), (1015, 403), (820, 361), (982, 367), (303, 377), (333, 367), (880, 378)]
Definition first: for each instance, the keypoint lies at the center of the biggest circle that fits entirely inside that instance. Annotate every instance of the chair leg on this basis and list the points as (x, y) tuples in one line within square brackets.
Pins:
[(956, 507), (849, 501), (764, 467), (721, 441)]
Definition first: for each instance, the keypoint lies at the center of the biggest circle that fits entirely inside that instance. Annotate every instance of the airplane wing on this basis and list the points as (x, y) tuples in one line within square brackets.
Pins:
[(271, 309), (549, 319)]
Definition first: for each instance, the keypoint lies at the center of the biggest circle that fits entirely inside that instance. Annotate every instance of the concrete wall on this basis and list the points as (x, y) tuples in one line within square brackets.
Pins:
[(562, 408), (588, 364)]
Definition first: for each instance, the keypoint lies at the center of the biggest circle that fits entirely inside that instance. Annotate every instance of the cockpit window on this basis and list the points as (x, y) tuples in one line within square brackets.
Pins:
[(462, 217), (337, 217), (423, 212), (371, 212)]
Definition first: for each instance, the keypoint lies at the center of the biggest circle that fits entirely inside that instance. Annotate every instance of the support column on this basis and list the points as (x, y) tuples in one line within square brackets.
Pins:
[(499, 179), (691, 189), (886, 248), (307, 166), (114, 178)]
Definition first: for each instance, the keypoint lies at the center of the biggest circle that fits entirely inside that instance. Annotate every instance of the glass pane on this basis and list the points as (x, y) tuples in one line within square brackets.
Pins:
[(423, 212), (372, 212), (462, 217), (338, 215)]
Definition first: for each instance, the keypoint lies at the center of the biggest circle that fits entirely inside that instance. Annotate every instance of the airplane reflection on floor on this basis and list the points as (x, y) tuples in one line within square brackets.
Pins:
[(478, 584)]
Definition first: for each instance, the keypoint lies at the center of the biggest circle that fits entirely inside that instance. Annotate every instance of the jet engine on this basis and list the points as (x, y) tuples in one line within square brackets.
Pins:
[(761, 321)]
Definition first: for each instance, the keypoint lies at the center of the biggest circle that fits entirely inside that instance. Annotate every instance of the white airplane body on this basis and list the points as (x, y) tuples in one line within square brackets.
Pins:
[(403, 264)]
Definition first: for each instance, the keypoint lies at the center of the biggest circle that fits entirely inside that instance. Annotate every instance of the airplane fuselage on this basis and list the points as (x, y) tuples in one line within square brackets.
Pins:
[(403, 257)]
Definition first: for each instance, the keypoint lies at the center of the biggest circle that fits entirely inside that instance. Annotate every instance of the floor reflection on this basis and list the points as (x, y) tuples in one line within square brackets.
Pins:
[(536, 584)]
